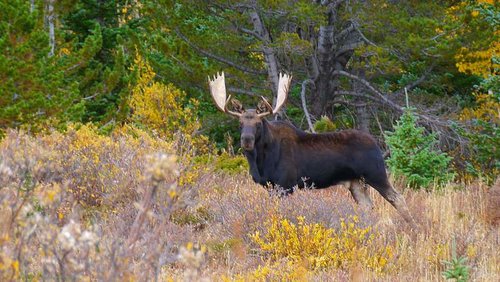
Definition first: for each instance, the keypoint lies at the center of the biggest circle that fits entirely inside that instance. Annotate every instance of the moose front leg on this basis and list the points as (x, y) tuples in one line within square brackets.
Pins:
[(254, 169), (286, 182)]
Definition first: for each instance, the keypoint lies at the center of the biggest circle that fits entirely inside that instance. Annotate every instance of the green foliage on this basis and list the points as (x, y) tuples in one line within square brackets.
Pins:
[(481, 128), (34, 90), (324, 124), (457, 268), (99, 33), (231, 164), (414, 154)]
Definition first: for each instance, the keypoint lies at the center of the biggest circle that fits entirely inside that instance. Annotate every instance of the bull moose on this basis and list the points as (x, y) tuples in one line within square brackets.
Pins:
[(281, 155)]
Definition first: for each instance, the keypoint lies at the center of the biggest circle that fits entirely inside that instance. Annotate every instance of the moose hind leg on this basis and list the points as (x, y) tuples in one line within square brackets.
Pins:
[(396, 199), (359, 192)]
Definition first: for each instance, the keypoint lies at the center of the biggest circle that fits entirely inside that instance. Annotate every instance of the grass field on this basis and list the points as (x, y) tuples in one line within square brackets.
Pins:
[(77, 206)]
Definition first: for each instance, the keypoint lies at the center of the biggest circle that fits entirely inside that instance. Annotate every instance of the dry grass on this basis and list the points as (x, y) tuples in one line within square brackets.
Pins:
[(140, 225)]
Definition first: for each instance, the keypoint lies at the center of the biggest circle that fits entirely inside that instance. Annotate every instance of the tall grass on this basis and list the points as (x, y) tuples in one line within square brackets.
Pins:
[(83, 206)]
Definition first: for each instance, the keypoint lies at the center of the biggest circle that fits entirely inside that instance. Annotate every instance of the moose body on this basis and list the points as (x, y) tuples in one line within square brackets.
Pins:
[(286, 156), (281, 155)]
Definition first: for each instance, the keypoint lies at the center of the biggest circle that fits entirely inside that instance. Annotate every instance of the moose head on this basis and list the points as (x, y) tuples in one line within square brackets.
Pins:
[(251, 119)]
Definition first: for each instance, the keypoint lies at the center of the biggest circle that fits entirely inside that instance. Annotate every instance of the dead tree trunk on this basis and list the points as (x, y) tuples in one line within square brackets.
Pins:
[(50, 22)]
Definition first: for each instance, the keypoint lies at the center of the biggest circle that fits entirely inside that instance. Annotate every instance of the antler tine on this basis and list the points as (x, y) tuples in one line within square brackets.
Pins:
[(228, 111), (218, 90), (283, 87), (270, 108)]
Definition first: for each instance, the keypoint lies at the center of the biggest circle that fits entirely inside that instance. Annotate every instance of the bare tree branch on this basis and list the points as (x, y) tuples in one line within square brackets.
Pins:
[(242, 91), (250, 32), (304, 105), (369, 87), (344, 32), (348, 47), (431, 120), (355, 94), (215, 57), (368, 41), (416, 82)]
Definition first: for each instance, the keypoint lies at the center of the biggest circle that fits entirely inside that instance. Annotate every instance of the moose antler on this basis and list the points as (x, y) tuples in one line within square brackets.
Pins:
[(218, 91), (283, 87)]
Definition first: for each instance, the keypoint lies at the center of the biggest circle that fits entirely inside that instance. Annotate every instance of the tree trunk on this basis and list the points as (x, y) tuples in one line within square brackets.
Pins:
[(269, 56), (325, 43), (362, 117), (50, 22)]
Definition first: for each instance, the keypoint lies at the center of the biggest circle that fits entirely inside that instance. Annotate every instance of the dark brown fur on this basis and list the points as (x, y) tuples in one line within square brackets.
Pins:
[(280, 155)]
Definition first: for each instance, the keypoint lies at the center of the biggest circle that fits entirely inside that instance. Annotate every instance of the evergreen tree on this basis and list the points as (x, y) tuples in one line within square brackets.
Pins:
[(415, 156), (34, 90)]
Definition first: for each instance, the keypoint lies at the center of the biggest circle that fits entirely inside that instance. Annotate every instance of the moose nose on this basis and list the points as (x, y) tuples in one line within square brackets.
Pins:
[(247, 141)]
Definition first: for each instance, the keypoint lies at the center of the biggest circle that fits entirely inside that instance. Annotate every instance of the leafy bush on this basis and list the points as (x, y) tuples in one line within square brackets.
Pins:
[(165, 110), (46, 181), (457, 268), (324, 125), (98, 170), (322, 247), (231, 164), (415, 156), (481, 128)]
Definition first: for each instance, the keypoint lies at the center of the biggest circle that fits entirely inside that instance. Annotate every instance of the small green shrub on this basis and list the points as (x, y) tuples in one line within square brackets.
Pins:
[(456, 268), (324, 125), (414, 154), (231, 164)]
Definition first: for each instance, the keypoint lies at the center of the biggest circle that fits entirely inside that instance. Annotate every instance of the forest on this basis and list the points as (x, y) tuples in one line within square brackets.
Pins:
[(116, 164)]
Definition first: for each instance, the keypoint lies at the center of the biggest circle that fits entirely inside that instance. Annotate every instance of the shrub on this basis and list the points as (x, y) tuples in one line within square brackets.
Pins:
[(481, 128), (46, 181), (99, 170), (456, 268), (231, 164), (165, 110), (324, 125), (414, 154), (320, 247)]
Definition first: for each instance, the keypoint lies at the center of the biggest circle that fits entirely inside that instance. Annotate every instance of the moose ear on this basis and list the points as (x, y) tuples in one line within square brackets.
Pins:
[(237, 106)]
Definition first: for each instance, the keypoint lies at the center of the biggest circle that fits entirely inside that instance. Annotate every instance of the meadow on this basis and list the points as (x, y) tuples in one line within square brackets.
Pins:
[(128, 206)]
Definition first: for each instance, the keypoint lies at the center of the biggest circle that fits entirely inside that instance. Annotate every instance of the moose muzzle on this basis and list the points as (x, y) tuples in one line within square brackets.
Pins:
[(247, 141)]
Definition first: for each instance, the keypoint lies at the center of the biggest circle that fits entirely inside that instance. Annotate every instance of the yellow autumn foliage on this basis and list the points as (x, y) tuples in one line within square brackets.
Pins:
[(487, 109), (161, 107), (479, 62), (317, 247), (167, 113), (477, 58)]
